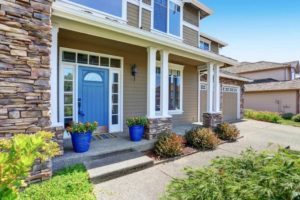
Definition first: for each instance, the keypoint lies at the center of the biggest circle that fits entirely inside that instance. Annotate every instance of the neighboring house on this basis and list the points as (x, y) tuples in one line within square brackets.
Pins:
[(275, 87), (105, 61)]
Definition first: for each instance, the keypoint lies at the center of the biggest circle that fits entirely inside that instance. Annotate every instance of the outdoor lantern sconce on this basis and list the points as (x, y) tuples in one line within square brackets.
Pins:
[(134, 70)]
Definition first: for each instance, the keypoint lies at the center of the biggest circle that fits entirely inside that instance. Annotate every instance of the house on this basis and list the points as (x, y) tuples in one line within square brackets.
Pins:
[(275, 85), (105, 61)]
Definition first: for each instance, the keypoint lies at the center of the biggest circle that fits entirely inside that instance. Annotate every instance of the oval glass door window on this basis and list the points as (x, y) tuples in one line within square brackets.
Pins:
[(93, 77)]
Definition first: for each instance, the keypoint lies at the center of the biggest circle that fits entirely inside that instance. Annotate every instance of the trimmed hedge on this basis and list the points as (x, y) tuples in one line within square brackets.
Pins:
[(169, 145), (228, 132), (296, 118), (263, 116), (287, 116), (202, 139)]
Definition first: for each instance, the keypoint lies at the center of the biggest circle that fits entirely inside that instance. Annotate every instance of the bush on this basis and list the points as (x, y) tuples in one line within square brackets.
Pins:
[(227, 132), (296, 118), (263, 116), (287, 116), (267, 175), (17, 156), (142, 121), (169, 145), (70, 183), (202, 138)]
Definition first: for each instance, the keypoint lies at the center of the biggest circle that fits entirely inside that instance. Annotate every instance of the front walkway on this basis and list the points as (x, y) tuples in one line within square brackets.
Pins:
[(149, 184)]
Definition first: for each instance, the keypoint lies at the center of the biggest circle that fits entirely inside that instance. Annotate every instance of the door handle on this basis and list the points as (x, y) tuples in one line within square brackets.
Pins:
[(80, 112)]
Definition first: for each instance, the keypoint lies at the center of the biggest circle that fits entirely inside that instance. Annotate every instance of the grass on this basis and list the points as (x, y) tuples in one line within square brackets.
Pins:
[(289, 122), (70, 183)]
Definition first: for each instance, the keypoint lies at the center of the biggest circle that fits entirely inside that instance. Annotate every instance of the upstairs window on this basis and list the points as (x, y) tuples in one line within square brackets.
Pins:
[(113, 7), (205, 46), (167, 17)]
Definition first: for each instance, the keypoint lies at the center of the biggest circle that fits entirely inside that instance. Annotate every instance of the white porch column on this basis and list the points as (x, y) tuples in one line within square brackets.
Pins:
[(210, 87), (151, 77), (53, 77), (164, 83), (216, 105)]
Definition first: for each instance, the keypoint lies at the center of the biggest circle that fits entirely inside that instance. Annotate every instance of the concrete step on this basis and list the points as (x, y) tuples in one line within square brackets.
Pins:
[(117, 165)]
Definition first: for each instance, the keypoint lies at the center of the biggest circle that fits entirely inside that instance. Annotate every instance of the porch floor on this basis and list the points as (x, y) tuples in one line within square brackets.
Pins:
[(102, 148)]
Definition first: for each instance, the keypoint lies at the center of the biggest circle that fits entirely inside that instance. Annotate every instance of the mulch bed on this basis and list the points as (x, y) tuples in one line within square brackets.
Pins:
[(187, 151)]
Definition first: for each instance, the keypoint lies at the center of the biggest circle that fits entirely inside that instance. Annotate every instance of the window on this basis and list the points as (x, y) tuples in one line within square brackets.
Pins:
[(68, 95), (175, 90), (94, 77), (167, 17), (113, 7), (205, 46), (115, 98)]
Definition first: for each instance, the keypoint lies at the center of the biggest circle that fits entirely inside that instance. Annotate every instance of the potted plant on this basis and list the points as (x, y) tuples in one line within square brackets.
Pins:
[(136, 127), (81, 135)]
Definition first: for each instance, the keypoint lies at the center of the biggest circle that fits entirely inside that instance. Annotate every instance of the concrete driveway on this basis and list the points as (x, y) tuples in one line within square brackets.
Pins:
[(150, 184)]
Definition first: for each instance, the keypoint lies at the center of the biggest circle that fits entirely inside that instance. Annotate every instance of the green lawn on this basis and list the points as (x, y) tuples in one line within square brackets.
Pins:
[(70, 183), (289, 122)]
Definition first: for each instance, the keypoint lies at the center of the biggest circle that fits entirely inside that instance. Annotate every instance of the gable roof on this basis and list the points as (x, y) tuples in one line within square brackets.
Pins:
[(259, 66), (220, 42), (273, 86)]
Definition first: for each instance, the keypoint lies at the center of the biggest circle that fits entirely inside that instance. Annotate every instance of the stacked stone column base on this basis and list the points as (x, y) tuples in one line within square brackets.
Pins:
[(211, 120), (157, 126)]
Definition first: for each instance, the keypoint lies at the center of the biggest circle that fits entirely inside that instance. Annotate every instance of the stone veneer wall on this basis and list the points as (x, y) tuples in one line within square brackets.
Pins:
[(158, 126), (25, 42), (211, 120)]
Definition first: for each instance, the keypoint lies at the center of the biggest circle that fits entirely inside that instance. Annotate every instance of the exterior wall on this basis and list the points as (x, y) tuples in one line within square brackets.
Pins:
[(214, 47), (277, 74), (273, 101), (191, 15), (132, 15), (147, 2), (190, 36), (146, 20), (25, 40)]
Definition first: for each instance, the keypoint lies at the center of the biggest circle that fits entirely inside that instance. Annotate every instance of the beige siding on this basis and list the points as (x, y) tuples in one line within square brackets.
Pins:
[(146, 19), (190, 15), (214, 47), (147, 2), (229, 109), (190, 97), (190, 36), (273, 101), (280, 74), (132, 15)]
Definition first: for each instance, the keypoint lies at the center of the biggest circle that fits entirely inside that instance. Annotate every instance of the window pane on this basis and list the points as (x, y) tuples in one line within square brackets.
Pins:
[(113, 7), (94, 60), (68, 74), (82, 58), (68, 111), (115, 119), (104, 62), (174, 89), (116, 78), (68, 86), (68, 121), (115, 88), (68, 99), (160, 15), (174, 19), (93, 77), (115, 109), (115, 63), (157, 91), (115, 98), (69, 56)]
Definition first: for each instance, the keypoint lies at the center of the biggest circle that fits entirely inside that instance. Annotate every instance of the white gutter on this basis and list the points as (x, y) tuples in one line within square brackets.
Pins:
[(67, 11)]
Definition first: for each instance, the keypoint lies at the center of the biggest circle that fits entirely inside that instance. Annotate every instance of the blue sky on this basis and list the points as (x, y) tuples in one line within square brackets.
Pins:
[(256, 29)]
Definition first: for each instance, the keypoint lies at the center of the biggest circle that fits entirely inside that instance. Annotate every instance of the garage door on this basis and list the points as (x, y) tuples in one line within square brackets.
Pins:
[(231, 103)]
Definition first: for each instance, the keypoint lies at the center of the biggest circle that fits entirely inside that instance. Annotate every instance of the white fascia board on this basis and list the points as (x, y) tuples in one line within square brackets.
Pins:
[(64, 10), (199, 5), (213, 39)]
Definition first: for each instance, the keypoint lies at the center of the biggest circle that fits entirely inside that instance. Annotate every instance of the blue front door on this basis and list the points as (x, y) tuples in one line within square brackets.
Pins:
[(93, 95)]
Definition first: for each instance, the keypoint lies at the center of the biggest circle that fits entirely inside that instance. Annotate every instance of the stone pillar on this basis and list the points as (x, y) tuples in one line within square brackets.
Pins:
[(25, 41), (211, 120), (157, 126)]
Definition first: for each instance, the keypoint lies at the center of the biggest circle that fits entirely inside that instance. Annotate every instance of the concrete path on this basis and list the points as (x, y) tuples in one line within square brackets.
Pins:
[(150, 184)]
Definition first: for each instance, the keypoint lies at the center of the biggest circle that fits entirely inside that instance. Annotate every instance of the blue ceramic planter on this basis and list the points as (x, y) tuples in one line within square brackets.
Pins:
[(81, 141), (136, 133)]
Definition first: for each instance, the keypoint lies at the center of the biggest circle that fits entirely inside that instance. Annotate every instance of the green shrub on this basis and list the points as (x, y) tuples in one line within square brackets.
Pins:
[(169, 145), (263, 116), (70, 183), (251, 176), (287, 116), (296, 118), (143, 121), (202, 138), (17, 156), (228, 132)]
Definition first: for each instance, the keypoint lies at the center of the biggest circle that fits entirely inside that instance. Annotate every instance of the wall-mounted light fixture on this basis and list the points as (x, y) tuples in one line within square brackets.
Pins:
[(134, 70)]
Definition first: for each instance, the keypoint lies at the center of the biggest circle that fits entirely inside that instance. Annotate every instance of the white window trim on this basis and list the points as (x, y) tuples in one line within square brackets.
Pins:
[(168, 34), (206, 41), (62, 64), (180, 68), (99, 13)]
